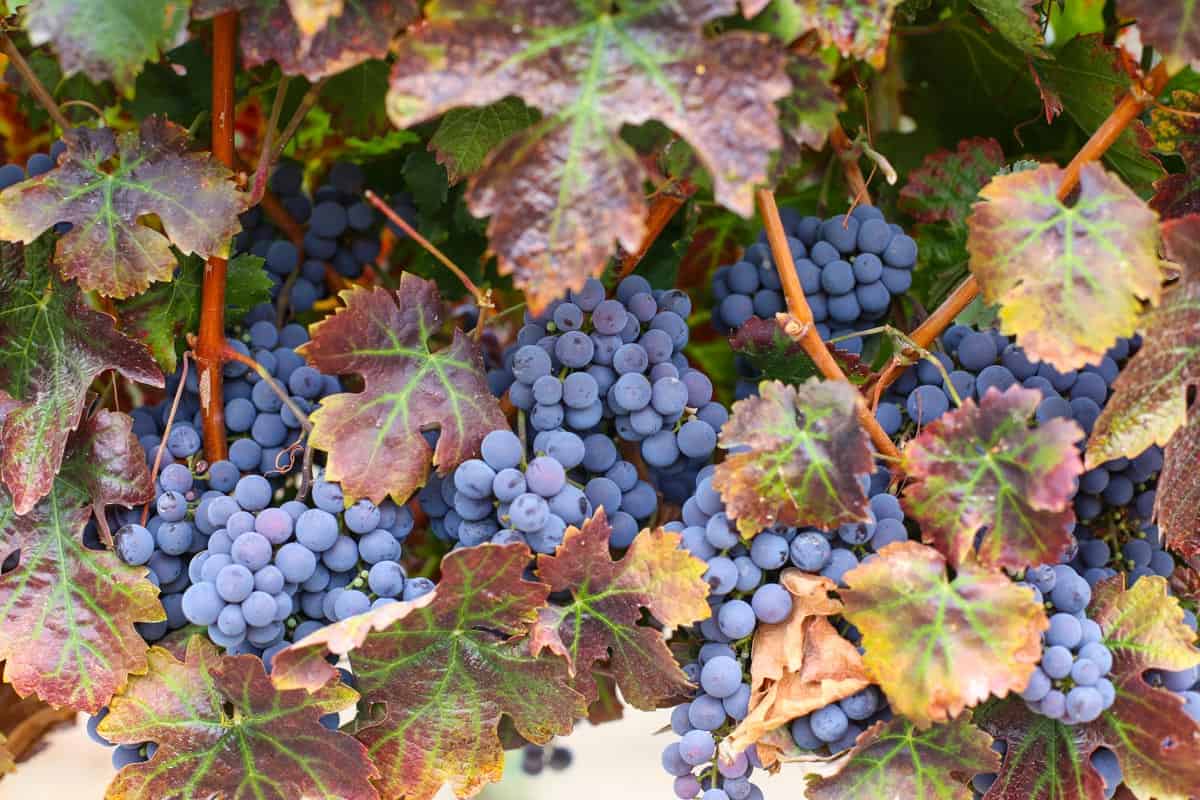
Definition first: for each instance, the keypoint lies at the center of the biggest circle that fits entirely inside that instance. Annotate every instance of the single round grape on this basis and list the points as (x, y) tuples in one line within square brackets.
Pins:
[(1057, 661), (1064, 630), (772, 603), (829, 723), (736, 619), (386, 579), (253, 492), (317, 530), (545, 476), (134, 544), (697, 747), (252, 550), (769, 551), (810, 551), (201, 604), (342, 556), (379, 545), (721, 676)]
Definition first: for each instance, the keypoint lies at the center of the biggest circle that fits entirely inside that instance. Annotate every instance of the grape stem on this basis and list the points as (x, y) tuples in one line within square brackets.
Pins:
[(259, 185), (1130, 108), (162, 445), (798, 322), (847, 153), (665, 203), (306, 104), (40, 93)]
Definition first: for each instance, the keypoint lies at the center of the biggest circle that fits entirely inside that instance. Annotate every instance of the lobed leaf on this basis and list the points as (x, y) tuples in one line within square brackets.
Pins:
[(1069, 279), (373, 437), (561, 192), (104, 185), (1169, 26), (948, 183), (1178, 194), (804, 453), (465, 136), (895, 759), (1178, 493), (858, 28), (809, 112), (52, 346), (1172, 131), (1019, 22), (68, 611), (780, 357), (938, 646), (981, 467), (224, 730)]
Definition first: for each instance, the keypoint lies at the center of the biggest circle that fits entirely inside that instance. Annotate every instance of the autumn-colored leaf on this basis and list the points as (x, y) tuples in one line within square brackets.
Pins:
[(68, 612), (465, 136), (607, 597), (810, 110), (1178, 493), (1172, 131), (858, 28), (373, 437), (1017, 21), (224, 730), (446, 673), (1149, 399), (983, 466), (326, 37), (937, 646), (561, 192), (52, 345), (805, 455), (106, 39), (948, 183), (800, 664), (897, 760), (1069, 278), (1169, 26), (780, 357), (1178, 194)]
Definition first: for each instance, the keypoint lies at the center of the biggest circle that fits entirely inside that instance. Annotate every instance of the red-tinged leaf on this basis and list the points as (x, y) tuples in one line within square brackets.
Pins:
[(1178, 194), (1178, 493), (448, 672), (562, 192), (374, 437), (858, 28), (67, 613), (778, 356), (607, 598), (105, 184), (948, 183), (224, 730), (1172, 131), (984, 467), (323, 39), (52, 345), (1149, 399), (1070, 279), (810, 110), (1169, 26), (896, 760), (938, 646), (806, 454)]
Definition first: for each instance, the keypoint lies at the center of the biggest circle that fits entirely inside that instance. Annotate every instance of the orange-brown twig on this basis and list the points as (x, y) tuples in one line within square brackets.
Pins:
[(663, 207)]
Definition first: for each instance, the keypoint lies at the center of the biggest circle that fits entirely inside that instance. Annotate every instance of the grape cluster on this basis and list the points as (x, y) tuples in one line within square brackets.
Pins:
[(1104, 551)]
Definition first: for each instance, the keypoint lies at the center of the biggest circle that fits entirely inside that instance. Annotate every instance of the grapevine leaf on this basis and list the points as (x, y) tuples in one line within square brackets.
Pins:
[(374, 437), (104, 185), (805, 455), (448, 672), (1178, 194), (800, 664), (163, 314), (1069, 279), (1019, 22), (895, 759), (68, 611), (1178, 494), (354, 98), (780, 357), (1171, 27), (347, 36), (858, 28), (224, 730), (465, 136), (106, 39), (982, 467), (938, 646), (809, 112), (607, 597), (52, 345), (559, 193), (1171, 131), (948, 183)]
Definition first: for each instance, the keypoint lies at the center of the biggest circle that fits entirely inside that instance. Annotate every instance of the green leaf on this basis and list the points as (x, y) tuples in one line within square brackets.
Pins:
[(805, 453), (426, 179), (1019, 21), (1172, 27), (858, 28), (52, 346), (561, 192), (779, 357), (810, 110), (982, 467), (355, 98), (373, 437), (465, 136), (1069, 279), (68, 612), (223, 730), (106, 39), (104, 185)]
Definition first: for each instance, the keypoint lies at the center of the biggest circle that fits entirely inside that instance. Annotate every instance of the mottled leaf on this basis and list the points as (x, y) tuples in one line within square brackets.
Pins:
[(374, 437), (1018, 21), (465, 136), (561, 192), (810, 110), (224, 730), (165, 313), (106, 39), (858, 28), (984, 467), (778, 356), (446, 674), (104, 185), (601, 622), (897, 760), (52, 345), (315, 45), (1172, 131), (1178, 493), (937, 646), (1069, 278), (806, 454), (1172, 27), (68, 612), (948, 183)]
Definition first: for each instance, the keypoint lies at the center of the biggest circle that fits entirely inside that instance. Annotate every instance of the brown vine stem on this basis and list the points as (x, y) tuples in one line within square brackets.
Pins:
[(158, 454), (261, 173), (211, 341), (1125, 112), (665, 203), (847, 153), (799, 323), (40, 93), (306, 103)]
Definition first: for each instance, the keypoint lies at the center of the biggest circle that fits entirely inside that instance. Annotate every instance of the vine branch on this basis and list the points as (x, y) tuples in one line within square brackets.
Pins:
[(665, 203), (40, 93), (847, 153), (306, 103)]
